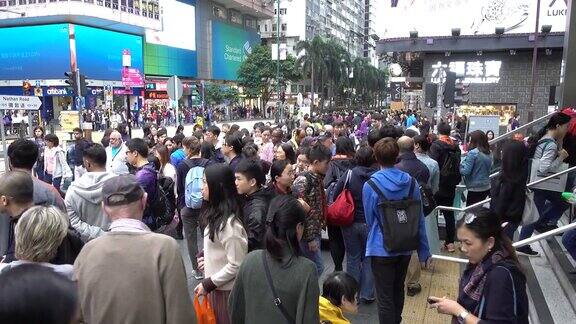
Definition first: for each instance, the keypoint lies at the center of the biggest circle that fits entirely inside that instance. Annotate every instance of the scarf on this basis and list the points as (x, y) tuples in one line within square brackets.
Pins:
[(475, 286), (446, 139)]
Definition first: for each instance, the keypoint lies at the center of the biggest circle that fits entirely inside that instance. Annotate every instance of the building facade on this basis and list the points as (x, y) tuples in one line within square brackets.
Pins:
[(193, 39)]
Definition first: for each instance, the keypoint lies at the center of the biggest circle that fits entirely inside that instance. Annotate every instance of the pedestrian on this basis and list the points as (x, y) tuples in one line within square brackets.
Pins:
[(546, 147), (475, 168), (493, 286), (145, 172), (41, 144), (211, 136), (35, 294), (232, 150), (116, 154), (158, 293), (166, 168), (225, 239), (291, 274), (38, 234), (389, 268), (447, 153), (55, 166), (309, 187), (281, 177), (285, 151), (80, 144), (177, 152), (338, 167), (508, 191), (355, 235), (339, 296)]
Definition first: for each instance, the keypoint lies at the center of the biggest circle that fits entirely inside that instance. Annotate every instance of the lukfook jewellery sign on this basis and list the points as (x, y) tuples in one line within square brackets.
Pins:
[(468, 71)]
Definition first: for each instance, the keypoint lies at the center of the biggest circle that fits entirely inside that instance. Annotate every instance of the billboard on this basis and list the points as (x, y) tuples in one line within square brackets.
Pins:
[(230, 46), (99, 52), (473, 17), (172, 50), (34, 52)]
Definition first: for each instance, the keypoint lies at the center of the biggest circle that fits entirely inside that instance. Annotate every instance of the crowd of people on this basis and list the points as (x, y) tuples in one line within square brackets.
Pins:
[(95, 228)]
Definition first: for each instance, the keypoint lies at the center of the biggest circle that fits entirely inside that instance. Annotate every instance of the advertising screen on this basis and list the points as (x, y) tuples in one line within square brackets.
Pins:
[(99, 52), (473, 17), (172, 50), (34, 52), (230, 46)]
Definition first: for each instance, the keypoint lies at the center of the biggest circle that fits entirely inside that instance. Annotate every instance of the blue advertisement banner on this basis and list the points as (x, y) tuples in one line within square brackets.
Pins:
[(230, 46), (99, 52), (34, 52)]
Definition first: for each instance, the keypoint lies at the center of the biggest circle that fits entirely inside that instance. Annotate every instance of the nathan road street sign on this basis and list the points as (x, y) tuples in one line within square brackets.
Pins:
[(8, 102), (174, 88)]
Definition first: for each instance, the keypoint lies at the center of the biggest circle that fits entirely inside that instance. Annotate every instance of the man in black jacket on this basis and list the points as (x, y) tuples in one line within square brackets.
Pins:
[(447, 153), (249, 182)]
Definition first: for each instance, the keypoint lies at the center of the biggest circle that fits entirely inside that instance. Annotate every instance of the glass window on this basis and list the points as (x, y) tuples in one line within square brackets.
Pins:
[(235, 17), (219, 12), (251, 23), (282, 11), (283, 27)]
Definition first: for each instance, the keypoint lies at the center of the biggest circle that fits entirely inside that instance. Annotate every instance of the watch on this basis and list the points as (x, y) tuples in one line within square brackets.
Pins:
[(462, 316)]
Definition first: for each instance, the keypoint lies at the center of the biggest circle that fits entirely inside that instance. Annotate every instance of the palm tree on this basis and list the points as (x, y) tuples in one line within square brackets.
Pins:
[(311, 60)]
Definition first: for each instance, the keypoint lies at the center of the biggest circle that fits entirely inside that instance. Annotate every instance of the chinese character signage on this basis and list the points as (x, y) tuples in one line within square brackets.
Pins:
[(468, 71)]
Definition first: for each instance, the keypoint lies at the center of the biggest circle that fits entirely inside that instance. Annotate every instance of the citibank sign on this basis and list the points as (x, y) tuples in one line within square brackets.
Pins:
[(56, 92)]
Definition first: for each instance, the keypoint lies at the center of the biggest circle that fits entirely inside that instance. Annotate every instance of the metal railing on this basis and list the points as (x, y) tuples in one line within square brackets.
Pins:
[(519, 129), (518, 244)]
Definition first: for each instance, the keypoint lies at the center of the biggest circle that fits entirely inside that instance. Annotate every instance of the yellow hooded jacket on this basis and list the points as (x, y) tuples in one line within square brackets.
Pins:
[(330, 313)]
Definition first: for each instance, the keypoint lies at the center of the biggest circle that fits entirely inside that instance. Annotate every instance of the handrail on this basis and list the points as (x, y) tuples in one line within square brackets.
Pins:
[(493, 175), (488, 199), (519, 129), (516, 245)]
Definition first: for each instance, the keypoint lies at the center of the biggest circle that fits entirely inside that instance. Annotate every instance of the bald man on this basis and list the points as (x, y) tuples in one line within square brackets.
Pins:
[(116, 155)]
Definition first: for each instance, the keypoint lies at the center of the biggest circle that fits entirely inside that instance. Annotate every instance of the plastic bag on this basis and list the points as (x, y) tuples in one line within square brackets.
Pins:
[(204, 311)]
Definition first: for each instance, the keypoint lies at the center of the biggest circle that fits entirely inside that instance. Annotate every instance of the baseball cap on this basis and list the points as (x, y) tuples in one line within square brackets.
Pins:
[(121, 190)]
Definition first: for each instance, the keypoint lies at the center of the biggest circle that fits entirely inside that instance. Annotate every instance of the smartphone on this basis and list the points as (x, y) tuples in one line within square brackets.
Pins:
[(430, 300)]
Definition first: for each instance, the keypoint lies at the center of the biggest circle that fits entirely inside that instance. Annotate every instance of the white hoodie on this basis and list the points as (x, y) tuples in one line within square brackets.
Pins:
[(84, 205)]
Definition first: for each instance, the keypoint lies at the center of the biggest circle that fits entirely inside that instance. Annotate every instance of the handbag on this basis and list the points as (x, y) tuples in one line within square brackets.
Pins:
[(277, 300), (530, 214), (204, 311), (341, 211), (399, 220)]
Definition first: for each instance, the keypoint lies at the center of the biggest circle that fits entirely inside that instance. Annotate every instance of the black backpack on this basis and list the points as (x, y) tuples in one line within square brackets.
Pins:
[(164, 206), (450, 170), (399, 220)]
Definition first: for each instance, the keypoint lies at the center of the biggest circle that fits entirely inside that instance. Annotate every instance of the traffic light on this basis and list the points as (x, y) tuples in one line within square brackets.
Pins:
[(461, 92), (71, 81), (83, 88), (449, 89), (26, 88)]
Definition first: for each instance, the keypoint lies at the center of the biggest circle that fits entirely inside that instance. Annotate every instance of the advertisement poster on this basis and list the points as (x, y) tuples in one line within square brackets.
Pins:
[(34, 52), (69, 120), (230, 46), (105, 62), (172, 50), (473, 17)]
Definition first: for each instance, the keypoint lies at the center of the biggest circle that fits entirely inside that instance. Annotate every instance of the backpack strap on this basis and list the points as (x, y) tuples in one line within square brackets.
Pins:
[(277, 300), (411, 191), (483, 301), (348, 175), (375, 187)]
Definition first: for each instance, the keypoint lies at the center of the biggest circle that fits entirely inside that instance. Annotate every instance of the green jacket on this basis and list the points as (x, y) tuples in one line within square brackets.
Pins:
[(251, 300)]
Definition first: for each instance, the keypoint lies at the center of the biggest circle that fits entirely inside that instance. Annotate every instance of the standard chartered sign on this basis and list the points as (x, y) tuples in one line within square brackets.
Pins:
[(468, 71), (230, 46)]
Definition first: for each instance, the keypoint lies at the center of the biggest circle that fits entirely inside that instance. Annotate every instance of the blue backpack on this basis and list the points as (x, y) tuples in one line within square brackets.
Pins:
[(193, 187)]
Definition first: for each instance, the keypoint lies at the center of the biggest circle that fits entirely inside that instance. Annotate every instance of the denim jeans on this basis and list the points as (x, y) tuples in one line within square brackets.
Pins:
[(569, 241), (357, 264), (314, 256), (548, 214)]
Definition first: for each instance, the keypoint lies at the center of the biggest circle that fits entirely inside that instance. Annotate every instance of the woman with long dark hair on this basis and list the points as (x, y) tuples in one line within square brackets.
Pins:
[(166, 168), (41, 144), (475, 168), (546, 147), (509, 189), (292, 275), (493, 287), (285, 151), (225, 238)]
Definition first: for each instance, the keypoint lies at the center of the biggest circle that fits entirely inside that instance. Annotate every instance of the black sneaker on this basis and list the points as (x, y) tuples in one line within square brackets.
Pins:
[(527, 251)]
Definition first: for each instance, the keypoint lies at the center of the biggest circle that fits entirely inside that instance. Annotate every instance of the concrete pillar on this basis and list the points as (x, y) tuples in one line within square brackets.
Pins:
[(568, 86)]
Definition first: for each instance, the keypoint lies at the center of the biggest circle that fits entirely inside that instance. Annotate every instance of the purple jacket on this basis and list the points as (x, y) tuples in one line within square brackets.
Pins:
[(147, 177)]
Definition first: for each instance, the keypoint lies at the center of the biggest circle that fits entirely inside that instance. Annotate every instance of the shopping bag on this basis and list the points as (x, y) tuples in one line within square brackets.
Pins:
[(204, 311), (530, 214), (557, 183)]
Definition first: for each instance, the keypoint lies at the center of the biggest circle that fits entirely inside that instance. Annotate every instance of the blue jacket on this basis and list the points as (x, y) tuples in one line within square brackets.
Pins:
[(475, 168), (395, 184)]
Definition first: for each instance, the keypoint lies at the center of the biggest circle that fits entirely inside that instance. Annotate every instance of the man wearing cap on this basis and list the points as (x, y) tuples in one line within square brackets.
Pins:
[(130, 274)]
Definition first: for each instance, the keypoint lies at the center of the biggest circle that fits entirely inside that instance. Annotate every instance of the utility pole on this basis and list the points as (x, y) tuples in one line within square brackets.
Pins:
[(534, 61), (279, 105)]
